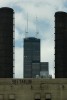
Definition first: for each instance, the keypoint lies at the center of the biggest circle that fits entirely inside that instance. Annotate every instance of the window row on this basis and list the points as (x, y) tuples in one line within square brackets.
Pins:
[(10, 97)]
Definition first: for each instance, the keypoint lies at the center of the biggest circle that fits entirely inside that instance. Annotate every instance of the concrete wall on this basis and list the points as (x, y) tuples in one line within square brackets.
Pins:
[(31, 89)]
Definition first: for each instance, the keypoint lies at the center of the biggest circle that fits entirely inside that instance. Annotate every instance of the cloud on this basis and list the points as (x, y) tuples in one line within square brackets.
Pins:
[(47, 54), (17, 35), (18, 62)]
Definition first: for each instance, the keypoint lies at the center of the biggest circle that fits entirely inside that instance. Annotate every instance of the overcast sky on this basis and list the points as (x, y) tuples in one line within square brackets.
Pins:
[(45, 11)]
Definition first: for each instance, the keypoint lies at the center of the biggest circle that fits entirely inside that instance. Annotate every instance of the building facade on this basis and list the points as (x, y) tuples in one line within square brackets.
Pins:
[(35, 69), (31, 57), (44, 69), (6, 42), (60, 45), (33, 89)]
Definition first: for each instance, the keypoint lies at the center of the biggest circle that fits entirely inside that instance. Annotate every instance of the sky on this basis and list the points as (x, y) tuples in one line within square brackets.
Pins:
[(44, 10)]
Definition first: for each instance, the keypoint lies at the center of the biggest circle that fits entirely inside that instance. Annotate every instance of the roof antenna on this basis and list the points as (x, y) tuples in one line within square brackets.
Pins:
[(26, 28), (37, 27), (25, 32), (27, 24)]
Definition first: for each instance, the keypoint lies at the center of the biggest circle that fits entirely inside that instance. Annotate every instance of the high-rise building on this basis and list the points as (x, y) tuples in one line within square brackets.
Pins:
[(31, 57), (6, 42), (61, 44)]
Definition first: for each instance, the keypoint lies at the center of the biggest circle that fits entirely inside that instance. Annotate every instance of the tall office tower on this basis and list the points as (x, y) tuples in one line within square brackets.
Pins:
[(61, 45), (31, 57), (6, 42)]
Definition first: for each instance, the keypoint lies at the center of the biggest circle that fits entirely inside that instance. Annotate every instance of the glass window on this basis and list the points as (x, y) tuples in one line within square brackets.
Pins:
[(48, 96), (11, 97), (37, 96), (1, 97)]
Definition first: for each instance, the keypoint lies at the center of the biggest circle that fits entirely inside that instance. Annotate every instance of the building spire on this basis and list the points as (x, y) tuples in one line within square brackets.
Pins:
[(26, 27), (37, 27), (27, 24)]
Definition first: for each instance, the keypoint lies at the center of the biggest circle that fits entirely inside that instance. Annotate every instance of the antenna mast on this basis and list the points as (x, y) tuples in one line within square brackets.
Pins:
[(27, 22), (25, 32), (26, 28), (37, 27)]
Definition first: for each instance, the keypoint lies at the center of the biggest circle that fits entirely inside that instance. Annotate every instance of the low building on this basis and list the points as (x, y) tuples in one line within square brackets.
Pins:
[(44, 70), (33, 89)]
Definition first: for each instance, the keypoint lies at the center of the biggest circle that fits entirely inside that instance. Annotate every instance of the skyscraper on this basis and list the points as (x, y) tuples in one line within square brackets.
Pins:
[(61, 45), (6, 42), (31, 57)]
